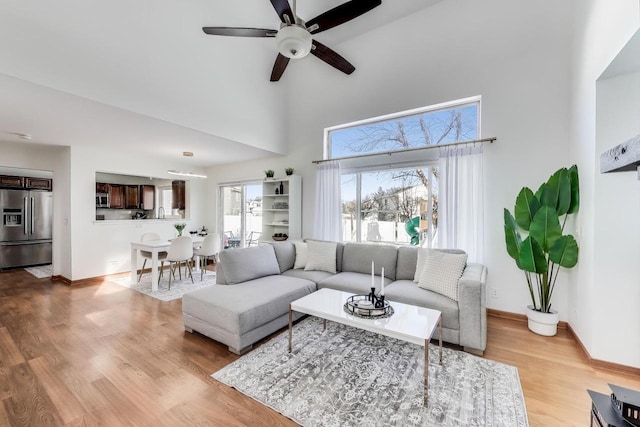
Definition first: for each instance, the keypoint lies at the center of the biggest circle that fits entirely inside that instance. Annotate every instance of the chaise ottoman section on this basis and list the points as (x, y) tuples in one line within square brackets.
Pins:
[(239, 315)]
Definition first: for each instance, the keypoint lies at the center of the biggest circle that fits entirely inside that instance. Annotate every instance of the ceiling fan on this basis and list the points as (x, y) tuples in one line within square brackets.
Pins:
[(294, 37)]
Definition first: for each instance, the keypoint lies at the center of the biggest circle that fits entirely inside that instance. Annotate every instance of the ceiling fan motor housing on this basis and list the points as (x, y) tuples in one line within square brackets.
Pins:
[(294, 41)]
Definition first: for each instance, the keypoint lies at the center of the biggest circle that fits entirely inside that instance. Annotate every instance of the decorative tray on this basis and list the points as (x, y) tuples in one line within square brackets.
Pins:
[(363, 306)]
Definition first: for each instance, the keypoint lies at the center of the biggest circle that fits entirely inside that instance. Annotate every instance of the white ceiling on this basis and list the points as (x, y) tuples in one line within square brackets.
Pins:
[(142, 76)]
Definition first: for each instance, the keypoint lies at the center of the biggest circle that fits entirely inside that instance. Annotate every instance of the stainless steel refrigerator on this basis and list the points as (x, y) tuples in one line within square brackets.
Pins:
[(25, 232)]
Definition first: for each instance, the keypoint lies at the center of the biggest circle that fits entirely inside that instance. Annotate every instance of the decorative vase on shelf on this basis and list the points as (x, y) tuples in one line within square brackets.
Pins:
[(281, 188)]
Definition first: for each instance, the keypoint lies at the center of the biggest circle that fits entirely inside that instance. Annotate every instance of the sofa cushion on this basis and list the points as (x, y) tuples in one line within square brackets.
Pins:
[(241, 308), (357, 257), (250, 263), (357, 283), (406, 265), (301, 254), (321, 256), (442, 272), (285, 253), (406, 291), (314, 276)]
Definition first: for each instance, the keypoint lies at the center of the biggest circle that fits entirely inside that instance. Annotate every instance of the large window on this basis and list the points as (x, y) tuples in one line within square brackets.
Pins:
[(394, 199)]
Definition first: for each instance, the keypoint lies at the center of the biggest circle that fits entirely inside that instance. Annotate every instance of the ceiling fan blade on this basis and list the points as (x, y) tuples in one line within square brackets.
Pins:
[(279, 67), (240, 32), (341, 14), (332, 58), (282, 8)]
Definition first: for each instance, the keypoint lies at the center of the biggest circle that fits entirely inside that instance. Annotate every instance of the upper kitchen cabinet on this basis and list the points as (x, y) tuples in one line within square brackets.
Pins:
[(147, 197), (11, 181), (27, 183), (38, 183), (116, 196), (178, 195), (102, 187), (131, 197)]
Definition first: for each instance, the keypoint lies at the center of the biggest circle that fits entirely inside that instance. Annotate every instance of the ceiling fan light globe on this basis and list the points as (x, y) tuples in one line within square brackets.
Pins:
[(294, 41)]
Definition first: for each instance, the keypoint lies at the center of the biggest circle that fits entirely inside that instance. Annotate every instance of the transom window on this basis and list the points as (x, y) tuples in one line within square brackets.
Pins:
[(394, 198)]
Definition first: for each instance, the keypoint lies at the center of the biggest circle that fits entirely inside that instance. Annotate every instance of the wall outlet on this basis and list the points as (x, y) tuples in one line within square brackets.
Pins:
[(494, 293)]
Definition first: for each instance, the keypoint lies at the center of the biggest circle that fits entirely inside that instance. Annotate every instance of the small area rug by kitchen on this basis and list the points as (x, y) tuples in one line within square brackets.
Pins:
[(40, 271), (178, 287), (348, 377)]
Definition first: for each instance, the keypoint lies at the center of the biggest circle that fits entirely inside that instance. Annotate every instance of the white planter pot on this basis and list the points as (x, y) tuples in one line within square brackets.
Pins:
[(543, 323)]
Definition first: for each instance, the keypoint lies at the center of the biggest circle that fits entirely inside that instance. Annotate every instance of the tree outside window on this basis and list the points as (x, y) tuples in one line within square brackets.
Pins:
[(397, 205)]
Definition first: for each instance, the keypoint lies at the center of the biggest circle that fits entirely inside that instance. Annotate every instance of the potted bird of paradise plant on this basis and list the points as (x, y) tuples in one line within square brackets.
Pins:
[(541, 217)]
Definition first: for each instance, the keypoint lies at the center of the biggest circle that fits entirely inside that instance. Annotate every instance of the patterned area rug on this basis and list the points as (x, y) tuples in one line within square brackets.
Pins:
[(348, 377), (178, 287), (40, 271)]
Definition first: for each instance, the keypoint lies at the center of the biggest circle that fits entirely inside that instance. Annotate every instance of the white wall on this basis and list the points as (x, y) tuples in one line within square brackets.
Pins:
[(55, 159), (514, 54), (617, 220), (103, 247), (597, 289)]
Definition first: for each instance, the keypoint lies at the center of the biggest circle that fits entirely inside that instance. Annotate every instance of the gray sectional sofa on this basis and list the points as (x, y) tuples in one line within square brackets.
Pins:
[(255, 286)]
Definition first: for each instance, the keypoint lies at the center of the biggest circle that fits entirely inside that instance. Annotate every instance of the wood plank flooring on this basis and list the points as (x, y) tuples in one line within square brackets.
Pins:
[(106, 355)]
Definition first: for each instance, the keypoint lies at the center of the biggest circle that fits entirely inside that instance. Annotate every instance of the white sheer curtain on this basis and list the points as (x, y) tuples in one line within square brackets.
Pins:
[(460, 216), (328, 213)]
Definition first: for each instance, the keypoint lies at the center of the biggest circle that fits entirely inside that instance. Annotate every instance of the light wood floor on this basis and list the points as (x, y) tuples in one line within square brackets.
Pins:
[(105, 355)]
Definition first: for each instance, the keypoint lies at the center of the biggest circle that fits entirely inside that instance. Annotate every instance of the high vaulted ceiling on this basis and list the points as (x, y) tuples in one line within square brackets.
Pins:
[(141, 75)]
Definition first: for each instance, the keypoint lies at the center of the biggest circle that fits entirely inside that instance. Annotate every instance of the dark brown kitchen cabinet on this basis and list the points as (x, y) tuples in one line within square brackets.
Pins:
[(38, 183), (131, 197), (102, 187), (177, 195), (147, 197), (12, 181), (116, 196)]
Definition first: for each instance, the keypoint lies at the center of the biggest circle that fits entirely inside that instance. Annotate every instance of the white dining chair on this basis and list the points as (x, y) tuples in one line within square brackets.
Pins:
[(149, 237), (180, 250), (210, 248)]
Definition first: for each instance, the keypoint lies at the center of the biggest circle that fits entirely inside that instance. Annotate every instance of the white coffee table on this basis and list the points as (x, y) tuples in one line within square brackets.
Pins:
[(409, 322)]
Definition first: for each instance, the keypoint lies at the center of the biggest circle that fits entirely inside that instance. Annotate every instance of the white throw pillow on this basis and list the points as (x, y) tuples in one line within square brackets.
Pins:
[(301, 254), (322, 256), (422, 256), (441, 273)]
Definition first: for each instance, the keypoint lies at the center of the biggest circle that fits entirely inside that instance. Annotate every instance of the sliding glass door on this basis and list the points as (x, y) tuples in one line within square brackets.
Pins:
[(240, 214)]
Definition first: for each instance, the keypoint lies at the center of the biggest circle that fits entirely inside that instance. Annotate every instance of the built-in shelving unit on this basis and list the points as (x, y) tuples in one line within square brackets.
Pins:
[(282, 207)]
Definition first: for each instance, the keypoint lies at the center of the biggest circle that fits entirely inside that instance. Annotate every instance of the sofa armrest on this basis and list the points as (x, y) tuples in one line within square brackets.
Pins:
[(472, 306)]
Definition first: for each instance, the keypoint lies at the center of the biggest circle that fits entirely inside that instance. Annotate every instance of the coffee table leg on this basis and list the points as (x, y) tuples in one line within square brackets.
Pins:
[(426, 372), (324, 325), (440, 327), (290, 327)]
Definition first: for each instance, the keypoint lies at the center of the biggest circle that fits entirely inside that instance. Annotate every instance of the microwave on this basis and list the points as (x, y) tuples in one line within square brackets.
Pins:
[(102, 200)]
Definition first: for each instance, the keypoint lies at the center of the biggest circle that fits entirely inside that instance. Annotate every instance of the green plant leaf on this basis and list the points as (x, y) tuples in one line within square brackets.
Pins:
[(564, 192), (545, 227), (557, 191), (541, 189), (564, 251), (575, 190), (532, 257), (512, 237), (526, 207)]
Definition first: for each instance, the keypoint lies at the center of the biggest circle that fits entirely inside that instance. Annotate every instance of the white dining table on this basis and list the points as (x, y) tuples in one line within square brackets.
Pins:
[(155, 247)]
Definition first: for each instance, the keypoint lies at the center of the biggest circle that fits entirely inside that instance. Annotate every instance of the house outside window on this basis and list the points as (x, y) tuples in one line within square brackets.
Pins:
[(394, 198)]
